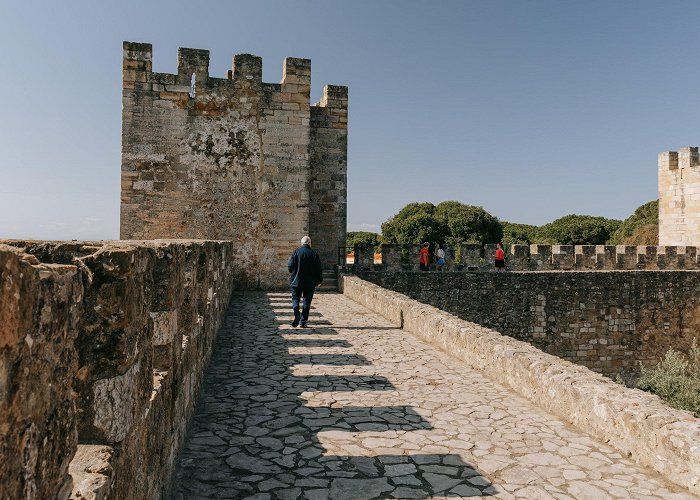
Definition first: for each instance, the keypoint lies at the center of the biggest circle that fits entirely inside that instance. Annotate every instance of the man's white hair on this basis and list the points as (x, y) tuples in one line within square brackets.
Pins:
[(306, 240)]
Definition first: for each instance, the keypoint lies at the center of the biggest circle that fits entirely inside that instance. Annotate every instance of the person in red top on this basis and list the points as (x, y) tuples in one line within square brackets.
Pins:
[(424, 257), (500, 258)]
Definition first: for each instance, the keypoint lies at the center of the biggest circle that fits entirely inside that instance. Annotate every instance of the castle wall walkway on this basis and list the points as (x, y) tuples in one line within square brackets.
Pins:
[(355, 407)]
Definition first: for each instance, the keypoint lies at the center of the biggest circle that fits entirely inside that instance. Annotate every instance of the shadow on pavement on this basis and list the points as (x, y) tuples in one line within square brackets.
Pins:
[(254, 435)]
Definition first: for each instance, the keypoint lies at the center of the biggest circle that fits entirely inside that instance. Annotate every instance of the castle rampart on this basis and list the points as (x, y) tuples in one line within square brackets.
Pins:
[(679, 197), (608, 321), (117, 335), (473, 257), (607, 307), (233, 158)]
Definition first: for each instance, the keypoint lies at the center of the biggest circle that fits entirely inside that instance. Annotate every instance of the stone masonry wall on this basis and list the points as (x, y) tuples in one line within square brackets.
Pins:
[(232, 158), (40, 307), (679, 197), (606, 321), (148, 317), (640, 425), (328, 187)]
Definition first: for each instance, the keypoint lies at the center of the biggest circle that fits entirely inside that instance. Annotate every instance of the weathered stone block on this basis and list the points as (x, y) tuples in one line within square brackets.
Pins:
[(606, 256), (519, 258), (563, 257), (391, 257), (647, 257), (626, 256), (364, 257), (471, 255), (91, 470), (40, 306), (540, 257), (585, 256)]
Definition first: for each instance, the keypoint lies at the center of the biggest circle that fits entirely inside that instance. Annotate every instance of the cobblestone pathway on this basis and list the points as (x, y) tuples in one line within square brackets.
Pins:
[(355, 408)]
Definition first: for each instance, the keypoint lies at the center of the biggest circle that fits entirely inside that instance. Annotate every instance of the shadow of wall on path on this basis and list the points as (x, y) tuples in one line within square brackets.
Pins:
[(254, 432)]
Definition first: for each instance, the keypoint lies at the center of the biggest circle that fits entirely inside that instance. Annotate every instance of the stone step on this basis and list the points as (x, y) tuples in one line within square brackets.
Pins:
[(330, 282), (328, 285)]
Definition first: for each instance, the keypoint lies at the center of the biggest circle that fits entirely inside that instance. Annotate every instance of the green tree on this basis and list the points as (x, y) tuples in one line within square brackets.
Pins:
[(519, 234), (468, 223), (579, 230), (367, 238), (414, 224), (640, 228)]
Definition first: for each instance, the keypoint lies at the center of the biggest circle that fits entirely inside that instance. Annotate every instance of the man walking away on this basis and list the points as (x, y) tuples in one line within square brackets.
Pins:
[(306, 274)]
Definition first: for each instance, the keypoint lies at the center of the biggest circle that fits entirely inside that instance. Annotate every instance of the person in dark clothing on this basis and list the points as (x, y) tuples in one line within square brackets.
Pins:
[(306, 274)]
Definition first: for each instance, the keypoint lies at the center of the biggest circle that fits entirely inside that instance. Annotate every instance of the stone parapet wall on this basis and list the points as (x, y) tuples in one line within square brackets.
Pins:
[(679, 197), (537, 257), (148, 317), (607, 321), (636, 423), (40, 306)]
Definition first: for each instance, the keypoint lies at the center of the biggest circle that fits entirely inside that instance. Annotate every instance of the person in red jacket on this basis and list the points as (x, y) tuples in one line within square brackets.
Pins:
[(500, 258), (424, 257)]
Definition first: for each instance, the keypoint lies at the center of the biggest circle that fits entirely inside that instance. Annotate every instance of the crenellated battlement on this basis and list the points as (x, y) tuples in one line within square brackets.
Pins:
[(679, 197), (192, 62), (334, 96), (683, 158), (475, 257), (246, 72)]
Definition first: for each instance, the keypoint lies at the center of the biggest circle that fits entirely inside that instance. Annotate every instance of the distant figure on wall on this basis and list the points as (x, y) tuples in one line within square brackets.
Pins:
[(439, 257), (306, 274), (500, 258), (424, 257)]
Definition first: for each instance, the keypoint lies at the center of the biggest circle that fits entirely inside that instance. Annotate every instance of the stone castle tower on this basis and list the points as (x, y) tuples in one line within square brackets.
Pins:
[(679, 197), (233, 158)]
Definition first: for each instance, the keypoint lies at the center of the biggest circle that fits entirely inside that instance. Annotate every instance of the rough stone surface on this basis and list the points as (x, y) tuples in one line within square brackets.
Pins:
[(233, 158), (145, 317), (636, 423), (92, 472), (328, 185), (284, 412), (679, 197), (40, 307), (606, 321)]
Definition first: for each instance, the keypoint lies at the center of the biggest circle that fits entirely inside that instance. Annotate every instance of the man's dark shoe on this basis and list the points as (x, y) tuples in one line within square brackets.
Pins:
[(296, 321), (303, 325)]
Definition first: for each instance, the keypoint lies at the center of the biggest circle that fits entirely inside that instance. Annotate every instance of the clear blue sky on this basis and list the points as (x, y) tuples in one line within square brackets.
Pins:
[(531, 109)]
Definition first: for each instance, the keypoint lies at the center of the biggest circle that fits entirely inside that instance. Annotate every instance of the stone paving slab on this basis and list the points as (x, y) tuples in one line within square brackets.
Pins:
[(354, 408)]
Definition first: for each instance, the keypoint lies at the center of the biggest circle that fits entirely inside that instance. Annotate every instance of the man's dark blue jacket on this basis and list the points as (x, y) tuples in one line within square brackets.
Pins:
[(305, 266)]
